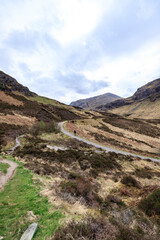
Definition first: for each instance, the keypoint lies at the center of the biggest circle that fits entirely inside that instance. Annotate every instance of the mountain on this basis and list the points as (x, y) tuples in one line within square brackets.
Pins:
[(93, 102), (20, 109), (145, 103)]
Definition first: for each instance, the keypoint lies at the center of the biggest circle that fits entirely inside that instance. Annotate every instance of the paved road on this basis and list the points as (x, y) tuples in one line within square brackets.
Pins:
[(107, 149), (4, 178)]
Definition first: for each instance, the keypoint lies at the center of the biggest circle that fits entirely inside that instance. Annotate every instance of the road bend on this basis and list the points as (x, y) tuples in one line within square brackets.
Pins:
[(107, 149)]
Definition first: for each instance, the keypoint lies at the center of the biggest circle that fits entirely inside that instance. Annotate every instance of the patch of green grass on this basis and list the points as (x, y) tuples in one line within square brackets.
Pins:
[(19, 197), (45, 100), (4, 167)]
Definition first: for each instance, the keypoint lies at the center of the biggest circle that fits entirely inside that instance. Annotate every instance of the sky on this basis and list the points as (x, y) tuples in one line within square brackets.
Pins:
[(74, 49)]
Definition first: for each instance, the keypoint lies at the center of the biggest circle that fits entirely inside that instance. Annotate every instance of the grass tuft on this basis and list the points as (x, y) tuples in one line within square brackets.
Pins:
[(151, 204)]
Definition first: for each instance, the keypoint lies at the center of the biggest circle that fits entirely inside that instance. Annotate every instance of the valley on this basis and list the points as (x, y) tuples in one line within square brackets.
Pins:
[(73, 189)]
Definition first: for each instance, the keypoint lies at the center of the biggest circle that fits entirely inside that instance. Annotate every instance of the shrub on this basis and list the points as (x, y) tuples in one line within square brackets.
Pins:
[(88, 229), (151, 204), (41, 127), (104, 162), (50, 127), (35, 130), (130, 181), (115, 199), (144, 173), (80, 186), (128, 234)]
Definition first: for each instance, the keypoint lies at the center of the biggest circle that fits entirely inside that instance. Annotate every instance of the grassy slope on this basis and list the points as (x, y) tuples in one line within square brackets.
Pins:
[(120, 133), (46, 100), (53, 102), (19, 197), (145, 109), (18, 113)]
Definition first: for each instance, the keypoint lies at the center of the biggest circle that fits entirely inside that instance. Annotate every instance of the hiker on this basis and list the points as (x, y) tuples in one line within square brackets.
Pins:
[(74, 132)]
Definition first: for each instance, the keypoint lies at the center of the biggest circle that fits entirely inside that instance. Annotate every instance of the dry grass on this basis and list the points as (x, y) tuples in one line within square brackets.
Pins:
[(110, 183), (48, 189), (114, 136), (58, 170), (17, 119), (147, 110), (10, 100)]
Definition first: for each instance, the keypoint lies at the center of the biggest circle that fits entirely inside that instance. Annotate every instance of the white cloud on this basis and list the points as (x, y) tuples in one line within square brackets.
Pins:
[(128, 72), (64, 20), (102, 40), (78, 18)]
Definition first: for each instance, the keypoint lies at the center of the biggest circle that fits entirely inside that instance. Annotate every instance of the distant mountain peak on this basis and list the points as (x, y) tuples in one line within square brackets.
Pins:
[(92, 102)]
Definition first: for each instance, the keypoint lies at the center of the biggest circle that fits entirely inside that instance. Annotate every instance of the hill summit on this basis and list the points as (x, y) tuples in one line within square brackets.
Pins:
[(93, 102)]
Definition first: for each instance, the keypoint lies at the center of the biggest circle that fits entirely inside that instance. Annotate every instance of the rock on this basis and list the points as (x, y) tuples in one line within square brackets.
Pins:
[(56, 148), (127, 216), (29, 233)]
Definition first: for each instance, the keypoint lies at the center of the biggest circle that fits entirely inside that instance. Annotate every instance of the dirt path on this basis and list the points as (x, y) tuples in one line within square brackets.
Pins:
[(108, 149), (18, 143), (4, 178)]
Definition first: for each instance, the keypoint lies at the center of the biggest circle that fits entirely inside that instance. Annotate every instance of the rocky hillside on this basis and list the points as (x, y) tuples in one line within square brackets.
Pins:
[(93, 102), (151, 90), (145, 103), (9, 84), (20, 109)]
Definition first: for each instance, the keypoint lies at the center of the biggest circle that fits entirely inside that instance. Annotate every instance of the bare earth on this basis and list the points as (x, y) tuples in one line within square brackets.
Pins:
[(4, 178)]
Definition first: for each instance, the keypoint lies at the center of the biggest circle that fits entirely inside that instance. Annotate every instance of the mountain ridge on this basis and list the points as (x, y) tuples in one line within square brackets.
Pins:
[(10, 84), (143, 102), (92, 102)]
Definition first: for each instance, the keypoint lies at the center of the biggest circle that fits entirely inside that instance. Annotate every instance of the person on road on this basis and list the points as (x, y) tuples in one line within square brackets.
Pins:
[(75, 132)]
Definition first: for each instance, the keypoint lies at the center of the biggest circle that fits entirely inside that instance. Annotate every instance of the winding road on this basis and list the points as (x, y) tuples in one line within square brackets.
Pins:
[(107, 149)]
